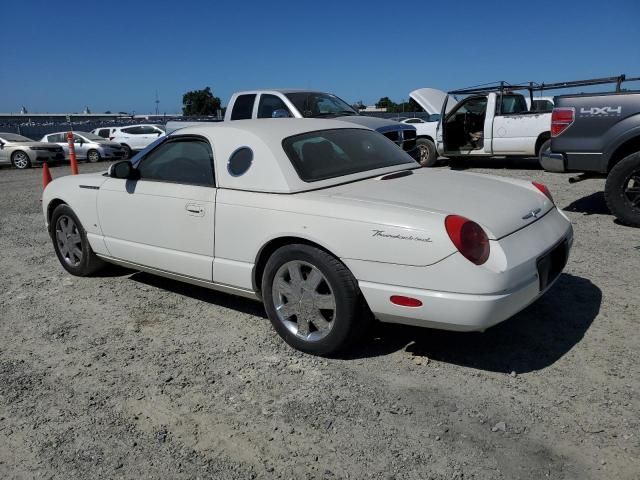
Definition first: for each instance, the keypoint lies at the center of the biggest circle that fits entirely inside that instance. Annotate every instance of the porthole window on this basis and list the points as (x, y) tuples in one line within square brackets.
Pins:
[(240, 161)]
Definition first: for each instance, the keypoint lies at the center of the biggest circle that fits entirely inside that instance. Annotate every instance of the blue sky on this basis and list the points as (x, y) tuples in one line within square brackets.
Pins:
[(113, 55)]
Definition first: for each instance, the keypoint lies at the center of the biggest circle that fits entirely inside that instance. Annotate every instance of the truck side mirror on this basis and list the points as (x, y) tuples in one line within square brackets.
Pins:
[(280, 113)]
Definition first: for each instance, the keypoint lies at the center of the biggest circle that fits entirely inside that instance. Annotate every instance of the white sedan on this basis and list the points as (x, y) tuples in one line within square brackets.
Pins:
[(328, 223)]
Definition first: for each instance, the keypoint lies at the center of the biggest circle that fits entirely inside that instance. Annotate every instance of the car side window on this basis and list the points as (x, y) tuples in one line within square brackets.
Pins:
[(243, 107), (270, 103), (180, 160)]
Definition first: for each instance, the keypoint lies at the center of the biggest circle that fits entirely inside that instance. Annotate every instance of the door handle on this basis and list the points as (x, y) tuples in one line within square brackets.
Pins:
[(195, 209)]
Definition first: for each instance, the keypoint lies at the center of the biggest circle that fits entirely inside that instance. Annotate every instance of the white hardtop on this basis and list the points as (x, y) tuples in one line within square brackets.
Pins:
[(271, 170)]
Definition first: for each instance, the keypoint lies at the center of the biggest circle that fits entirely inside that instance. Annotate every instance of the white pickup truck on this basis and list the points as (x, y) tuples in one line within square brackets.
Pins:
[(492, 121), (284, 103)]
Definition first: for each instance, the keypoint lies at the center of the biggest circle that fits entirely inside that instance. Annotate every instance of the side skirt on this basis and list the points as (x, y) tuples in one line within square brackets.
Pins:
[(183, 278)]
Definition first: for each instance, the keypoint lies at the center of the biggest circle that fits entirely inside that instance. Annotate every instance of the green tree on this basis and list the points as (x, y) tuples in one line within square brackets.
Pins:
[(386, 102), (200, 102)]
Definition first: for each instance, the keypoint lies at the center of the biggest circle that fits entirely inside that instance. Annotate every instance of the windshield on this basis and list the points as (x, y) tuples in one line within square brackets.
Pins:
[(333, 153), (312, 104), (91, 136), (12, 137)]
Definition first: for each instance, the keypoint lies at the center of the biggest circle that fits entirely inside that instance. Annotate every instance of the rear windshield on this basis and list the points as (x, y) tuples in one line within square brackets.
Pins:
[(333, 153)]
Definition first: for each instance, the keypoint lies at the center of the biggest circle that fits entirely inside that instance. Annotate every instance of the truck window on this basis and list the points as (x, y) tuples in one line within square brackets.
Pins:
[(270, 103), (541, 106), (513, 104), (243, 107)]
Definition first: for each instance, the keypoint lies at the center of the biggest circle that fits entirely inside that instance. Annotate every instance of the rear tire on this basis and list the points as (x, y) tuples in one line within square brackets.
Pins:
[(127, 151), (622, 190), (428, 152), (70, 243), (545, 146), (313, 300), (93, 156), (20, 160)]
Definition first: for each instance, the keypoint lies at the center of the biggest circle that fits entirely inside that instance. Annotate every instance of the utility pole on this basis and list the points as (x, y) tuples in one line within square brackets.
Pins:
[(157, 103)]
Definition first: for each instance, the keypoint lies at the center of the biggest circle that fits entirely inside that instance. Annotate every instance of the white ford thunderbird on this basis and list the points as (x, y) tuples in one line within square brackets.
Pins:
[(326, 222)]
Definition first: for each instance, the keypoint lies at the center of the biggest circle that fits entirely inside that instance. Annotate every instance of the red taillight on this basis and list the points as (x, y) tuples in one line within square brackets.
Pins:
[(469, 238), (561, 119), (405, 301), (543, 188)]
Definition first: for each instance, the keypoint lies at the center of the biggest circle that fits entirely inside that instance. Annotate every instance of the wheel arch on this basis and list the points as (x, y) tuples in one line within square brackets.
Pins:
[(426, 137), (623, 150), (53, 204), (543, 137), (271, 246)]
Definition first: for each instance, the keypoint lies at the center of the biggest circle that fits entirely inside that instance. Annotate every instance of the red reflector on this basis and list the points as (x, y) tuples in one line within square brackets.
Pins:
[(561, 119), (543, 188), (405, 301)]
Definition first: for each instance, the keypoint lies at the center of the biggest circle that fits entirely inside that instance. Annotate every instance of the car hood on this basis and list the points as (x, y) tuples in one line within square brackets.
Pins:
[(500, 205), (108, 143), (432, 100), (380, 124)]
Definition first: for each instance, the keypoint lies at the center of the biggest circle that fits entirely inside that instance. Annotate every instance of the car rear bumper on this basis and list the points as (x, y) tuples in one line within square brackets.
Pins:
[(553, 162), (534, 261), (450, 311)]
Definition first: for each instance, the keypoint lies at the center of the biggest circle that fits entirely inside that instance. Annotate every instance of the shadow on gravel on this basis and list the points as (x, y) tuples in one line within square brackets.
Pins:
[(203, 294), (593, 204), (531, 340), (509, 163)]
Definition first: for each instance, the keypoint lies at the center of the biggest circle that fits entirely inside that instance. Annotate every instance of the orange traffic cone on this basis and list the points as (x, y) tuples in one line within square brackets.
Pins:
[(46, 175)]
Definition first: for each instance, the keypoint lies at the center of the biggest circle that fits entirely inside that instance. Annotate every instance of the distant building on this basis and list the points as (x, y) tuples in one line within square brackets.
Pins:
[(373, 109)]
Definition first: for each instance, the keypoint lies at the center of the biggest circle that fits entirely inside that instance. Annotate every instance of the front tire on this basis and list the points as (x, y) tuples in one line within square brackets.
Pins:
[(20, 160), (93, 156), (312, 300), (70, 243), (622, 190), (428, 152)]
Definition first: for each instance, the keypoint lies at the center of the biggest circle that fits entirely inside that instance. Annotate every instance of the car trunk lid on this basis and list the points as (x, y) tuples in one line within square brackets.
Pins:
[(501, 206)]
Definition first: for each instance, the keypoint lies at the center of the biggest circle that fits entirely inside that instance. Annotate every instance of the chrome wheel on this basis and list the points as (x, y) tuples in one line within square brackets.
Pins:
[(631, 190), (303, 300), (68, 240), (20, 160), (93, 156)]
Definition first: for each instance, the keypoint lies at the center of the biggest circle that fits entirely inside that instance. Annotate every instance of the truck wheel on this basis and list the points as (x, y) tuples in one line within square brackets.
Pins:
[(312, 300), (544, 147), (428, 153), (622, 190)]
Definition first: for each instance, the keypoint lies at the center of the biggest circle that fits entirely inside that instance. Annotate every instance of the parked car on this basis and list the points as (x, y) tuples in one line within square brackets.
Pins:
[(323, 221), (87, 146), (133, 138), (22, 152), (599, 134), (289, 103), (487, 121), (418, 120)]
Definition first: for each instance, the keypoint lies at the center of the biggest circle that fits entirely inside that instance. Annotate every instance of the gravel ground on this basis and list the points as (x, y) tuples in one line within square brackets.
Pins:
[(128, 375)]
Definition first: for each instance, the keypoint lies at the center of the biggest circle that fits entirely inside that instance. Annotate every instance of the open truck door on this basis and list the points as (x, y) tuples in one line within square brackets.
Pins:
[(435, 102)]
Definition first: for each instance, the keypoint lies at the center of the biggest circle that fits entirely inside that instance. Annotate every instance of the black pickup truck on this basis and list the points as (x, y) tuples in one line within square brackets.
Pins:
[(599, 135)]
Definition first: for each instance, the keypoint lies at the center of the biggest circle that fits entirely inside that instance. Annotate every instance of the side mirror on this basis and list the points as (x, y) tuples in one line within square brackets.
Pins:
[(123, 170), (280, 113)]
